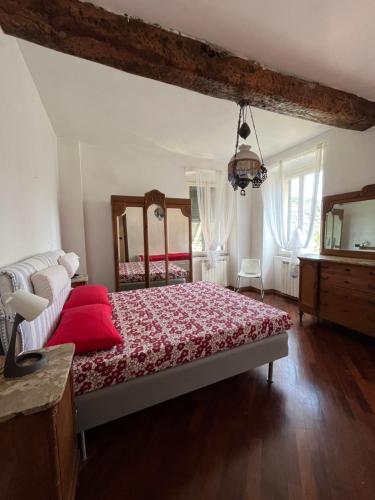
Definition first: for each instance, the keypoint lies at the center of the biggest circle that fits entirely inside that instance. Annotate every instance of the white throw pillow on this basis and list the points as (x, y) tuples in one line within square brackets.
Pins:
[(49, 282), (71, 263)]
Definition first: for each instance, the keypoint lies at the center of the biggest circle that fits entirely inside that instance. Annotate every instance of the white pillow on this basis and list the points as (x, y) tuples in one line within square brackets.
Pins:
[(49, 282), (71, 263)]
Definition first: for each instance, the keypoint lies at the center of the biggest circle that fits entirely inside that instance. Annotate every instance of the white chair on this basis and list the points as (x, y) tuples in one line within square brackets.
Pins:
[(250, 268)]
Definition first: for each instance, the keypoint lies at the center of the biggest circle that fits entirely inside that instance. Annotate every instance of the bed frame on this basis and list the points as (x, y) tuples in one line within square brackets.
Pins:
[(101, 406)]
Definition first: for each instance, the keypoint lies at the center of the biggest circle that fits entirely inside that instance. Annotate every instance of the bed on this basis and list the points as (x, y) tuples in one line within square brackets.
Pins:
[(132, 274), (176, 340)]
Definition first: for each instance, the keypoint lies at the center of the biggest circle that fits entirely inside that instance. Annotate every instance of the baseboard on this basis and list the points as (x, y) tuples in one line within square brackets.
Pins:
[(266, 292)]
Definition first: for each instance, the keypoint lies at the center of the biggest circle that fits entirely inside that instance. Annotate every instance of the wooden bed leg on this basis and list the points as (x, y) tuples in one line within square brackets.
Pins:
[(83, 446), (270, 373)]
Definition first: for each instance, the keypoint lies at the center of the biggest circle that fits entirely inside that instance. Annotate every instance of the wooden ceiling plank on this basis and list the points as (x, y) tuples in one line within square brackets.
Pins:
[(131, 45)]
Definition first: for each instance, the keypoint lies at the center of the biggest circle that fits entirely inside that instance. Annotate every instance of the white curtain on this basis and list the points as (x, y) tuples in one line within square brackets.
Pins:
[(274, 202), (216, 205)]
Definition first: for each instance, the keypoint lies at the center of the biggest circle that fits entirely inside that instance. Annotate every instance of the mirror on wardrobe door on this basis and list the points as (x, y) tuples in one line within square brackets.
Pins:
[(156, 245), (178, 246), (131, 266)]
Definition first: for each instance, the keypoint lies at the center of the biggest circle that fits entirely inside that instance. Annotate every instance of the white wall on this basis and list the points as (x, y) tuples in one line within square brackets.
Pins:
[(71, 200), (240, 241), (349, 165), (29, 215), (136, 168), (132, 171), (349, 159)]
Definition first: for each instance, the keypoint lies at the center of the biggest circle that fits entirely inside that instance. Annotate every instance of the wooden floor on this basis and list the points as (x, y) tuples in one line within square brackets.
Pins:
[(311, 435)]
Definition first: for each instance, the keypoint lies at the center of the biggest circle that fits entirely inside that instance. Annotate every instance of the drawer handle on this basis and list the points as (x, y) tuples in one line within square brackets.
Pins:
[(348, 269), (345, 310)]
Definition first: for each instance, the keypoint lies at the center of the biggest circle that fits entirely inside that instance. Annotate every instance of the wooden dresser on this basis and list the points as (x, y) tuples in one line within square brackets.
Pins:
[(39, 457), (339, 289)]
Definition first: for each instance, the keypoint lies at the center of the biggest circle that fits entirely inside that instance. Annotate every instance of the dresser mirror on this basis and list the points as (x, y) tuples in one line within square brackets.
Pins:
[(151, 240), (348, 227)]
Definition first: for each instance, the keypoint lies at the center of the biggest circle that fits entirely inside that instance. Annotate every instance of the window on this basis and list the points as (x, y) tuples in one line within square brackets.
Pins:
[(212, 210), (299, 204), (198, 241), (209, 199)]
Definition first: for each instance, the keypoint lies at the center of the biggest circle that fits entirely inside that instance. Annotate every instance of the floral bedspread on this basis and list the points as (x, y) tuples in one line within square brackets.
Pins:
[(134, 272), (167, 326)]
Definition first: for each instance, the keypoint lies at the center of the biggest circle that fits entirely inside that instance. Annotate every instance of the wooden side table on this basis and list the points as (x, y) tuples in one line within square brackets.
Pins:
[(39, 457), (80, 280)]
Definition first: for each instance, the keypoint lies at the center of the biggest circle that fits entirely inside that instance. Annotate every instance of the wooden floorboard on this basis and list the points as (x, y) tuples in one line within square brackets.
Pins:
[(310, 435)]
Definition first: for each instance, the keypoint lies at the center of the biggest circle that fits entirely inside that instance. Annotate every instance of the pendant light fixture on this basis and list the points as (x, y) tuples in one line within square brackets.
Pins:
[(245, 167)]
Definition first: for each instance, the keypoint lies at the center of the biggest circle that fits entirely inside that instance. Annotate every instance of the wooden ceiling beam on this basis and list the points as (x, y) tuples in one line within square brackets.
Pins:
[(130, 45)]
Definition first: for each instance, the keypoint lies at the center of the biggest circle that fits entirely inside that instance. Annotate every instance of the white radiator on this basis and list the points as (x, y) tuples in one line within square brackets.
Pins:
[(217, 274), (283, 281)]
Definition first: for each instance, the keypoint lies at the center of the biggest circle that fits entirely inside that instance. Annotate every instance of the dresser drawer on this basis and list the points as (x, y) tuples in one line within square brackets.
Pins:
[(348, 269), (353, 310), (345, 296), (357, 278)]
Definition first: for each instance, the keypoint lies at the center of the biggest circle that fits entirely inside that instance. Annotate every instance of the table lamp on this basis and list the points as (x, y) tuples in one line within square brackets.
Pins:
[(27, 306)]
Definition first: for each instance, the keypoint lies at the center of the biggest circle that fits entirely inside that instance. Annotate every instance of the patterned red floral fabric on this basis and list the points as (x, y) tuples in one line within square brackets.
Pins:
[(168, 326), (134, 272)]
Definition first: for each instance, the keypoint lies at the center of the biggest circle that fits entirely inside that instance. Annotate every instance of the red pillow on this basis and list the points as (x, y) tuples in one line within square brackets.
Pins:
[(89, 327), (88, 294)]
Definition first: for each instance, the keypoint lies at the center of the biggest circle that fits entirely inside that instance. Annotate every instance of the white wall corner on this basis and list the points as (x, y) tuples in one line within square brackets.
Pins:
[(71, 200)]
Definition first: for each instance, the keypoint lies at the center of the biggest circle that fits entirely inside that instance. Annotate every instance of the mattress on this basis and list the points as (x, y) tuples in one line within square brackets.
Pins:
[(165, 327), (134, 272)]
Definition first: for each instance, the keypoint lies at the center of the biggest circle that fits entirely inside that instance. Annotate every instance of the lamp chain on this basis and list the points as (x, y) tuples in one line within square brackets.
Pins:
[(238, 131), (256, 136)]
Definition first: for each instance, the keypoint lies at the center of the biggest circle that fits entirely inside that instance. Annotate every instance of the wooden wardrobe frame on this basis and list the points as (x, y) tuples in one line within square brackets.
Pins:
[(119, 205)]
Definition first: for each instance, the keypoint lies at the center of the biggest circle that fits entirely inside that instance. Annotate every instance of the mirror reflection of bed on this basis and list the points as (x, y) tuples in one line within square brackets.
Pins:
[(159, 231)]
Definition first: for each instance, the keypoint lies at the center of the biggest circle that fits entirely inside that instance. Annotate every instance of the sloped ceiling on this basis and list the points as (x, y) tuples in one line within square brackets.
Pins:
[(100, 105)]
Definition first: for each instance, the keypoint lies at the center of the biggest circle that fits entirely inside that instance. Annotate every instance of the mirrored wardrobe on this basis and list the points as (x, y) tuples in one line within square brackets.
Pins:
[(152, 240)]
